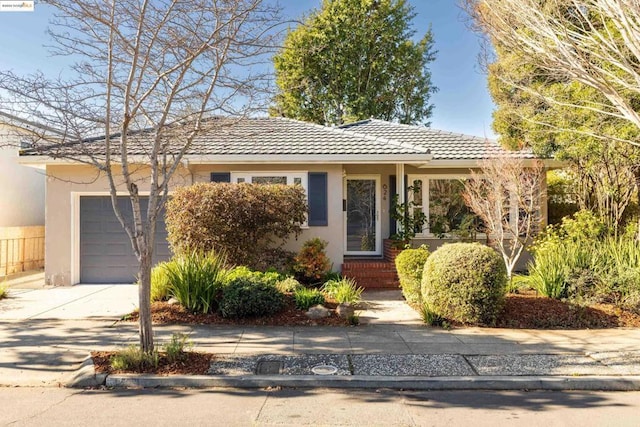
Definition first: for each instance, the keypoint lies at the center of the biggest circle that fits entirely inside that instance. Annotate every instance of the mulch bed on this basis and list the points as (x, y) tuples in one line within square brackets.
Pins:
[(163, 313), (527, 310), (192, 363)]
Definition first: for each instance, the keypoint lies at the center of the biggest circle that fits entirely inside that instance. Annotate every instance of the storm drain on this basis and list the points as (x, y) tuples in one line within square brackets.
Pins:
[(324, 370), (269, 367)]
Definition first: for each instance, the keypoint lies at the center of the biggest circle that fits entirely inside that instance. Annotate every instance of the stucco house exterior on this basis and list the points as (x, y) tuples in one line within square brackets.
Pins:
[(350, 174), (21, 188)]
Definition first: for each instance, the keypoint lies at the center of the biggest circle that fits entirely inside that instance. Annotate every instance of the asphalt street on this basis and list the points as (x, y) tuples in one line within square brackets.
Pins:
[(317, 407)]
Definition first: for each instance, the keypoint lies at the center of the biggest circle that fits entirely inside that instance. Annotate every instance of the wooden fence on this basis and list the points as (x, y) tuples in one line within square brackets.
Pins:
[(21, 249)]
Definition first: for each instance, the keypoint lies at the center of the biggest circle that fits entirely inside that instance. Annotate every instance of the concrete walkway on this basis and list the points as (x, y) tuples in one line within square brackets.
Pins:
[(45, 334)]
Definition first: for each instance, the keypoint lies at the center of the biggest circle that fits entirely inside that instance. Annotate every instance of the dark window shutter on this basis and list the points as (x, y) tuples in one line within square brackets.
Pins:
[(393, 229), (220, 177), (318, 199)]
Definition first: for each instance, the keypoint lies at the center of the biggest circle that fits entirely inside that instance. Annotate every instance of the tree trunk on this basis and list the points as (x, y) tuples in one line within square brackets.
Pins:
[(146, 329)]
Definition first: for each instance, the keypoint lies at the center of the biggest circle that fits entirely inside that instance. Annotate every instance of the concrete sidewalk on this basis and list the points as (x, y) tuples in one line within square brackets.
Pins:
[(44, 337)]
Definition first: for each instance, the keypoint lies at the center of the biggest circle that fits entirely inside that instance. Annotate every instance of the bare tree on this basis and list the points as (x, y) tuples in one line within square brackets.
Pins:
[(506, 195), (594, 42), (149, 75)]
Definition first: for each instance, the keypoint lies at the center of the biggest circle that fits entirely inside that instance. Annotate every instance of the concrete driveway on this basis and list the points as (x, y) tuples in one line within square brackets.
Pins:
[(46, 332), (26, 302)]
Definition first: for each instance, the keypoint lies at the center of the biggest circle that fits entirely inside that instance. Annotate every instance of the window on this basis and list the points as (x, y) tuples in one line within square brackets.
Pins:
[(440, 198), (288, 178), (415, 195)]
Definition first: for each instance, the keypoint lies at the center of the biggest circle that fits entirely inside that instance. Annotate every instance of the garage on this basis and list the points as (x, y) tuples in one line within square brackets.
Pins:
[(106, 255)]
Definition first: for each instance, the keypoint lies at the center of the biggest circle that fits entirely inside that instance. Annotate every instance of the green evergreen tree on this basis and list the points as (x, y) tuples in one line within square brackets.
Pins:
[(355, 59)]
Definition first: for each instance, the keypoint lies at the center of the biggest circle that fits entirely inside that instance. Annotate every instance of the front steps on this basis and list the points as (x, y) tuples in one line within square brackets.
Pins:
[(371, 273)]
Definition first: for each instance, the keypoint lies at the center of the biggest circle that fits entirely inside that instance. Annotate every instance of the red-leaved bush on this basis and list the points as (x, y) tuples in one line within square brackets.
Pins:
[(248, 222)]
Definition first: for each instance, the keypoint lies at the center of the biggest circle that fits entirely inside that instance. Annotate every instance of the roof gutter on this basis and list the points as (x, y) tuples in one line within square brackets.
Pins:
[(39, 160), (475, 163)]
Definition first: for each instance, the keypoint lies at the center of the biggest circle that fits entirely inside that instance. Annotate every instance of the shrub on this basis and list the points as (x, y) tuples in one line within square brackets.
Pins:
[(242, 272), (3, 290), (248, 222), (196, 280), (410, 265), (579, 261), (563, 253), (288, 284), (160, 285), (465, 282), (133, 358), (548, 274), (560, 200), (312, 264), (332, 275), (306, 298), (176, 348), (343, 291), (243, 297), (621, 288)]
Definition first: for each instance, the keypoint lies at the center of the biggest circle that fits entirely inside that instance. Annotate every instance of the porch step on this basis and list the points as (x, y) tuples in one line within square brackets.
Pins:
[(371, 274)]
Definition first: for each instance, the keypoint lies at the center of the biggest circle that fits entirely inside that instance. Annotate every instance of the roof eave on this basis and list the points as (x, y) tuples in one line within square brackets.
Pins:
[(305, 158), (474, 163), (39, 160)]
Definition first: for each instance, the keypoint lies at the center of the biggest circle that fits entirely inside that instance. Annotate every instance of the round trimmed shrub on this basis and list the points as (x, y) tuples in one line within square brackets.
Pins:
[(410, 265), (465, 282), (243, 297)]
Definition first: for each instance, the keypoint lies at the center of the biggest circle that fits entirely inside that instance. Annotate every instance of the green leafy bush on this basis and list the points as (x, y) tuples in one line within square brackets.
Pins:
[(196, 280), (242, 272), (563, 252), (243, 297), (248, 222), (560, 200), (579, 261), (288, 285), (343, 291), (306, 298), (410, 265), (465, 282), (312, 264)]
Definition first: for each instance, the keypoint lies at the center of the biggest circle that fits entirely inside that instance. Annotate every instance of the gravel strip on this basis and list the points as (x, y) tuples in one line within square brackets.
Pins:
[(426, 365), (293, 365), (538, 364), (621, 362)]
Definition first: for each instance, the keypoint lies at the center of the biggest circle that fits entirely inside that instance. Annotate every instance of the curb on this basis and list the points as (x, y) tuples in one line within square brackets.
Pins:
[(85, 376), (605, 383)]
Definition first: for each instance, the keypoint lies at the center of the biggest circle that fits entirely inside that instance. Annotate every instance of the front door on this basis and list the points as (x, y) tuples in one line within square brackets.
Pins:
[(362, 216)]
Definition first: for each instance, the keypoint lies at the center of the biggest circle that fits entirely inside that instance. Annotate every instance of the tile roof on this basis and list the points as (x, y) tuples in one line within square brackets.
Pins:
[(260, 136), (443, 145)]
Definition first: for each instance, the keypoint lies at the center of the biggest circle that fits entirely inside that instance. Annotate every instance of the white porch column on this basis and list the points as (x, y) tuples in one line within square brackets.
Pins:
[(400, 184)]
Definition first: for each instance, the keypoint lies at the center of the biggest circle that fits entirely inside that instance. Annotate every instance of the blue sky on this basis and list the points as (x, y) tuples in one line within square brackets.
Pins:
[(462, 103)]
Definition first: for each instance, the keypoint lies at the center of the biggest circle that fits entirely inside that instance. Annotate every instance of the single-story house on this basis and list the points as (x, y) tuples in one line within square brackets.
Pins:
[(350, 174)]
